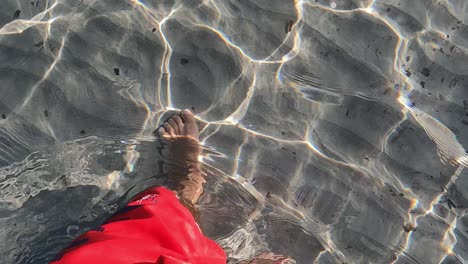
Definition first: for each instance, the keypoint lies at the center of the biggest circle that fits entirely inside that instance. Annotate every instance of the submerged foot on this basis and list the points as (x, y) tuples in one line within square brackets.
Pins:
[(180, 126), (181, 133)]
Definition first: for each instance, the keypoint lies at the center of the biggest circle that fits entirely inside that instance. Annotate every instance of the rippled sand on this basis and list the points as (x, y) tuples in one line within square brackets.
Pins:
[(335, 130)]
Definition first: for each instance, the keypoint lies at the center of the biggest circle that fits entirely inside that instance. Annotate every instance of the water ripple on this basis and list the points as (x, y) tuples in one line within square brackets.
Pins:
[(334, 130)]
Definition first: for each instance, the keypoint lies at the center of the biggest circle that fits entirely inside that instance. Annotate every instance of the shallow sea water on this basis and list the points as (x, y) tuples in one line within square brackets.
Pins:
[(335, 131)]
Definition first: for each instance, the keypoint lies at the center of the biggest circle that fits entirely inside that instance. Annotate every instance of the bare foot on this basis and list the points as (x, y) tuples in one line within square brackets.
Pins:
[(181, 133), (180, 126)]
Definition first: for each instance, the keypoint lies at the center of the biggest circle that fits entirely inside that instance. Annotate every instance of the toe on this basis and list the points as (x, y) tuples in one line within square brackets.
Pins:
[(188, 117), (179, 122), (174, 126), (190, 126), (162, 132), (169, 129)]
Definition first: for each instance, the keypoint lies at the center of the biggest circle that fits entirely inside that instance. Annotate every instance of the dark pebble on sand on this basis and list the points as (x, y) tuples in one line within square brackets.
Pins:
[(32, 3), (39, 44), (16, 14), (426, 72), (408, 58), (451, 204), (407, 73), (408, 228), (288, 26), (193, 108), (46, 113), (154, 30), (423, 84), (82, 132), (3, 116), (183, 61), (347, 113), (116, 71), (268, 195)]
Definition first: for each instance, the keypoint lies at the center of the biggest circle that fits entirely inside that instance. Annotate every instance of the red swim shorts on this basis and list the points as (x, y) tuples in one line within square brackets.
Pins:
[(153, 228)]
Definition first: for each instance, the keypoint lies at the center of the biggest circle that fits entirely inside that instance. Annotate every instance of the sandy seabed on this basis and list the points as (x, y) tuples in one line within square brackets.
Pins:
[(335, 131)]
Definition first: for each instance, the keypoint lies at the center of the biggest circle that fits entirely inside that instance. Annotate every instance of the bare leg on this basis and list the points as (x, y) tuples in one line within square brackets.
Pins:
[(181, 132)]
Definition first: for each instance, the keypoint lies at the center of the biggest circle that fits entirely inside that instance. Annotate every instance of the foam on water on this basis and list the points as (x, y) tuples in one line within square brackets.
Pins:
[(334, 130)]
